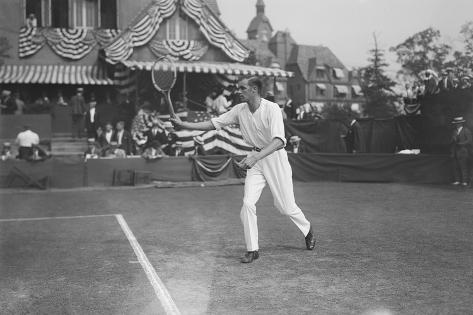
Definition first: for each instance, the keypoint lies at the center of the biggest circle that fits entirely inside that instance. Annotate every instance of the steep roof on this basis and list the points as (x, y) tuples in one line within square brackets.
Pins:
[(146, 24), (302, 55), (213, 6)]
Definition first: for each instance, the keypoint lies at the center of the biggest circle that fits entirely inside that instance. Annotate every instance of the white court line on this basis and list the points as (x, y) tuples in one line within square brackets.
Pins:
[(57, 218), (161, 292)]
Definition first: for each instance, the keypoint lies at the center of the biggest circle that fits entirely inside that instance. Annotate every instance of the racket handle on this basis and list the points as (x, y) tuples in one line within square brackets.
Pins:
[(168, 100)]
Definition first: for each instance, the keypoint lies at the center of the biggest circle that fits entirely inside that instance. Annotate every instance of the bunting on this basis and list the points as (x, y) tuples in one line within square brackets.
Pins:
[(68, 43), (228, 138), (190, 50), (30, 41), (145, 26)]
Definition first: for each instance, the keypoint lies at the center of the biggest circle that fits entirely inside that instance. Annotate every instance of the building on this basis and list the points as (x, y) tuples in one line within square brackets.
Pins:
[(320, 78), (109, 46)]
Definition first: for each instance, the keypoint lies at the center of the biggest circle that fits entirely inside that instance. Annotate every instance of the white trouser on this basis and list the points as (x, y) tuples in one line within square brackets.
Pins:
[(275, 170)]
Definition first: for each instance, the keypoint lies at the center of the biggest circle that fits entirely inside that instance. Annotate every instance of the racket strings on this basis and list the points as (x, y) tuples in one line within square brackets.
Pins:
[(164, 80)]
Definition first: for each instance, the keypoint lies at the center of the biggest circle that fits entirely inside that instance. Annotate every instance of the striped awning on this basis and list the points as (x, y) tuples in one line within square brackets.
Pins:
[(211, 67), (54, 74)]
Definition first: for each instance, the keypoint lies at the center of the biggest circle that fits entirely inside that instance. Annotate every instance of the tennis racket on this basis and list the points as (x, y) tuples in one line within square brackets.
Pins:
[(164, 74)]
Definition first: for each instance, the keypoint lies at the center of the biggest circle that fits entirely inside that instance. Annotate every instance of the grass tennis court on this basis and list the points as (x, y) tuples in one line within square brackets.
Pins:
[(397, 249)]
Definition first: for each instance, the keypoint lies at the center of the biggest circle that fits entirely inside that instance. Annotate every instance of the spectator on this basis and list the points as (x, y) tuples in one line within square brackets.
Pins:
[(78, 108), (429, 79), (60, 99), (107, 136), (26, 141), (8, 104), (92, 119), (288, 108), (6, 152), (123, 138), (448, 81), (220, 103), (461, 151), (465, 82), (20, 105), (126, 111), (352, 136), (93, 149), (209, 102), (31, 21)]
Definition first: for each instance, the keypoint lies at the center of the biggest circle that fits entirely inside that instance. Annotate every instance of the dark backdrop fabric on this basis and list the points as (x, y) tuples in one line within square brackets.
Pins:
[(208, 168), (317, 136), (424, 169)]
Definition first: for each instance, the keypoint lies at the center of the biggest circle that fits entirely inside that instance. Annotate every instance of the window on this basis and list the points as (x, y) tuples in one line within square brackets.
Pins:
[(177, 27), (320, 89), (320, 73), (83, 13), (341, 91), (59, 18), (41, 11), (338, 73)]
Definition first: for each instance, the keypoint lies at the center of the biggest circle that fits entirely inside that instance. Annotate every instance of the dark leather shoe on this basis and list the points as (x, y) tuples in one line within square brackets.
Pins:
[(310, 239), (249, 257)]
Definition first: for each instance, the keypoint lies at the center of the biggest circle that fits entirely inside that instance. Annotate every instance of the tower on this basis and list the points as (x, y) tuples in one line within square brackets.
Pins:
[(260, 28)]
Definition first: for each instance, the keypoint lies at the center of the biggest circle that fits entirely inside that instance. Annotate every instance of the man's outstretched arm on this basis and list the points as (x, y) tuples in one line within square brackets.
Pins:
[(204, 125)]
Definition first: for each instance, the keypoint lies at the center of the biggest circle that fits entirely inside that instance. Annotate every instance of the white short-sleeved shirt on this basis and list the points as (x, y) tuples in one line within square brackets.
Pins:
[(27, 138), (258, 128)]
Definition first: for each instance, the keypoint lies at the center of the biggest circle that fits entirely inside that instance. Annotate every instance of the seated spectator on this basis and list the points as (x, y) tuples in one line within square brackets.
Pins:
[(220, 103), (26, 141), (7, 153), (93, 150), (123, 138), (156, 136), (106, 137), (209, 102)]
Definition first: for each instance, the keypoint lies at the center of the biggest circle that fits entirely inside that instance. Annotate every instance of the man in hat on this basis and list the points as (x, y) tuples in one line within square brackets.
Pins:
[(123, 138), (78, 109), (461, 151), (92, 119), (448, 81)]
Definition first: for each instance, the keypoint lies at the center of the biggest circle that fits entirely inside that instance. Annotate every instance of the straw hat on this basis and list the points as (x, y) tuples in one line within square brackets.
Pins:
[(458, 120)]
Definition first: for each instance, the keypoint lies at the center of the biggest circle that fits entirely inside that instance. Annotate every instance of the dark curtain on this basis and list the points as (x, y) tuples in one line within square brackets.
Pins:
[(317, 136)]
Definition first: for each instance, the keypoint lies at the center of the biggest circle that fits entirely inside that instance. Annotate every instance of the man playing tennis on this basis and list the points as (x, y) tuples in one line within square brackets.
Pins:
[(262, 126)]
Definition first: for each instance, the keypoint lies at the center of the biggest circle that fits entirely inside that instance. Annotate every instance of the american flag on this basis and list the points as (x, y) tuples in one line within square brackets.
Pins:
[(228, 139)]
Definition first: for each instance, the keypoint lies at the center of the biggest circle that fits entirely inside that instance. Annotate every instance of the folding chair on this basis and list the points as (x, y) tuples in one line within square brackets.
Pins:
[(42, 183)]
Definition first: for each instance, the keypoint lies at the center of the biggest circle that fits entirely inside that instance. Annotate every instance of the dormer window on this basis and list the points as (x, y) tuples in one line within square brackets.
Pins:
[(177, 28)]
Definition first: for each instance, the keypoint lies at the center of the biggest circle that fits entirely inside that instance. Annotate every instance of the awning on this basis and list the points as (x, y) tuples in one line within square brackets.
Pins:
[(357, 90), (342, 89), (211, 67), (338, 73), (54, 74), (321, 86), (320, 68)]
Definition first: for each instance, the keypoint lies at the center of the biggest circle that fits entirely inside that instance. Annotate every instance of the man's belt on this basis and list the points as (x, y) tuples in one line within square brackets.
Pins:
[(256, 149)]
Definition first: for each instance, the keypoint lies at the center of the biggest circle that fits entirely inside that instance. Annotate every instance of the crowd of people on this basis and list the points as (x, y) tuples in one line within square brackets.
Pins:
[(430, 83)]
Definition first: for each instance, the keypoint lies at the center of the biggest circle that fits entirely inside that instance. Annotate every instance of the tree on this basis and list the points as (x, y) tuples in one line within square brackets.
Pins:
[(422, 51), (377, 86), (464, 59), (4, 47)]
